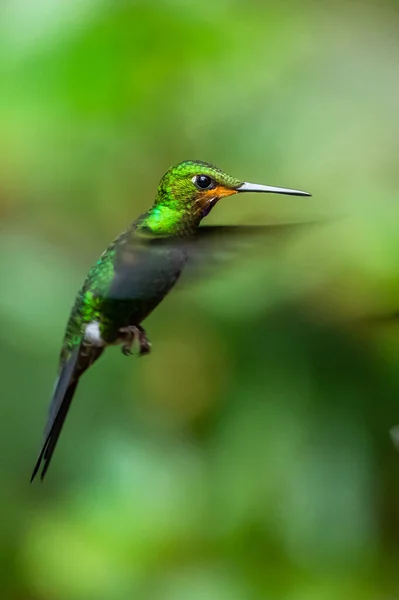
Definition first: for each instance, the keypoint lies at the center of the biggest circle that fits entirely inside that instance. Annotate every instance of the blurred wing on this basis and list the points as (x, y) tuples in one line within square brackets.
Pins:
[(145, 269), (220, 246), (149, 267)]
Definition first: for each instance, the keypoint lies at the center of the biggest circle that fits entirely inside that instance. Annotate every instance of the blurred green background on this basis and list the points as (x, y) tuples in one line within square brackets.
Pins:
[(249, 457)]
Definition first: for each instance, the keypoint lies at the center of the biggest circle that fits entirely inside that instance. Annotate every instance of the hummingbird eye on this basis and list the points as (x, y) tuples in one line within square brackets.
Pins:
[(203, 182)]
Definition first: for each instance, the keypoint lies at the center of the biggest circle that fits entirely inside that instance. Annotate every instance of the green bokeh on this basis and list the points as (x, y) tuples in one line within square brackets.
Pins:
[(249, 457)]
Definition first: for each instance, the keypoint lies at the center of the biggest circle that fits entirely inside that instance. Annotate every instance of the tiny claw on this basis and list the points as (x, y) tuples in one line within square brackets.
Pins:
[(145, 348), (130, 334), (126, 351), (144, 342)]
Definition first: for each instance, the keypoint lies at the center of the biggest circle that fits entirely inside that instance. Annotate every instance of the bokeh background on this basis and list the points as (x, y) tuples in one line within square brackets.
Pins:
[(250, 456)]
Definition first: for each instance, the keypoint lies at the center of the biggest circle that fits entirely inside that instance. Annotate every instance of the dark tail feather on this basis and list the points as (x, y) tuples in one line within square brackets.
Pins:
[(52, 438), (80, 360), (60, 403)]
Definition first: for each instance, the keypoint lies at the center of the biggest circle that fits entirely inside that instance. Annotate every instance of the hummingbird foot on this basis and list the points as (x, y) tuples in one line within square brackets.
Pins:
[(144, 342), (129, 335)]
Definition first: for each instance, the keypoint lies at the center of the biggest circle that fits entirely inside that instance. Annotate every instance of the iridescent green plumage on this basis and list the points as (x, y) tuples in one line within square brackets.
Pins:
[(88, 304), (177, 211), (132, 277)]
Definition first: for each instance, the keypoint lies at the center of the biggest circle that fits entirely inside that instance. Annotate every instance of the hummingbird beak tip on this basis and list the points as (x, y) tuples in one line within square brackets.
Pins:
[(255, 187)]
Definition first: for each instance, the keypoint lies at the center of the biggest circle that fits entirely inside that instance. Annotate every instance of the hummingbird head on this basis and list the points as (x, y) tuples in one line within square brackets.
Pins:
[(188, 192), (195, 187)]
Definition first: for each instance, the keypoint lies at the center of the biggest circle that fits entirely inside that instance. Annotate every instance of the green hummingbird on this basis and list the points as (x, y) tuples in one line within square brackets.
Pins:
[(133, 276)]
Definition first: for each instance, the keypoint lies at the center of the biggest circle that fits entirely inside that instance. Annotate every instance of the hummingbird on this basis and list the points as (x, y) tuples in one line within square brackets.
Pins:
[(134, 274)]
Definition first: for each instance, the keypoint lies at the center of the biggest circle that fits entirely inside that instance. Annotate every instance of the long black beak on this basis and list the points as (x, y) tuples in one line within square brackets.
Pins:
[(255, 187)]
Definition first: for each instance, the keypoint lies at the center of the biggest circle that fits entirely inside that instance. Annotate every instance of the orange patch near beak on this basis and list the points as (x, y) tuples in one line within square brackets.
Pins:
[(218, 192)]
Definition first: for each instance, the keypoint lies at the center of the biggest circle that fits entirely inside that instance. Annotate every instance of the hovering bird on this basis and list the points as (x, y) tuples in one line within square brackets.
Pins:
[(133, 276)]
